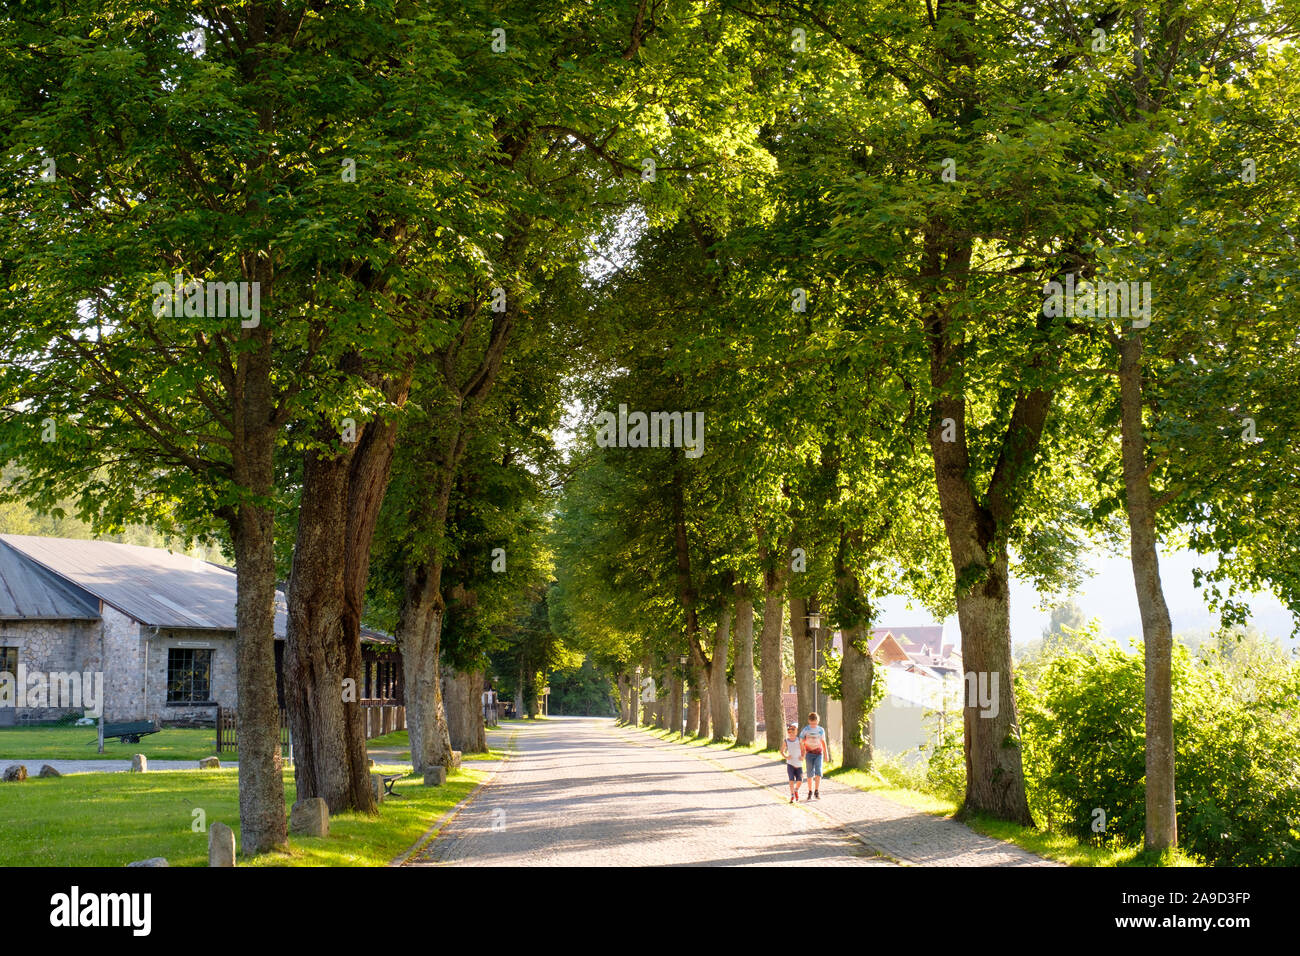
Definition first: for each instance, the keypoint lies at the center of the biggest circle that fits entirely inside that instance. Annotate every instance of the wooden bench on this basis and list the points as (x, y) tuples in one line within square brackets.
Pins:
[(390, 779), (129, 732)]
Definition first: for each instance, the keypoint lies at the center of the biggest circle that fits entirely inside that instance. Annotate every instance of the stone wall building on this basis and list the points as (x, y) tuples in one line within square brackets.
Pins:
[(156, 628)]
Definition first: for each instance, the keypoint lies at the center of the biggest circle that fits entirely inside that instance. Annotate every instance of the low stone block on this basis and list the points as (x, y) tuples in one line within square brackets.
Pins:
[(15, 773), (377, 788), (152, 861), (221, 845), (210, 763), (310, 817), (48, 771), (435, 776), (139, 763)]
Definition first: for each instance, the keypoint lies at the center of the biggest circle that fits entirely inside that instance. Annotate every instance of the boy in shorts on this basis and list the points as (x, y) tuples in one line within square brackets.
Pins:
[(792, 750), (815, 747)]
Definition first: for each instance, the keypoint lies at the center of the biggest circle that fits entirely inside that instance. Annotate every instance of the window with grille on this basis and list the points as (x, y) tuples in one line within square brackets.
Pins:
[(9, 661), (189, 675)]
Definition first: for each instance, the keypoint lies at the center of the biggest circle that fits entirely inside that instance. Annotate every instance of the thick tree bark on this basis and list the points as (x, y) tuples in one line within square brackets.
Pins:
[(419, 633), (976, 535), (1157, 630), (769, 643), (856, 667), (801, 638), (340, 503), (261, 782), (719, 697), (464, 711), (746, 717), (624, 708), (634, 715), (323, 649)]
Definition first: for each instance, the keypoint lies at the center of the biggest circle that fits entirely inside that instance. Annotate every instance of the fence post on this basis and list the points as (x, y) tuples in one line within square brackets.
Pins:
[(218, 728)]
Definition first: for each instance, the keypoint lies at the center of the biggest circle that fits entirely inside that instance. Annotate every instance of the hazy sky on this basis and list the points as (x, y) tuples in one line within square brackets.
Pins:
[(1108, 594)]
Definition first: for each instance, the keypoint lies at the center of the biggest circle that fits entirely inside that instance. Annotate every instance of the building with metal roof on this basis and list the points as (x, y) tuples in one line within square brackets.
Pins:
[(158, 626)]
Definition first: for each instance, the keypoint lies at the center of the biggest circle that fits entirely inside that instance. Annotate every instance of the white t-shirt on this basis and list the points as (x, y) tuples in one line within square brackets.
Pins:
[(793, 752)]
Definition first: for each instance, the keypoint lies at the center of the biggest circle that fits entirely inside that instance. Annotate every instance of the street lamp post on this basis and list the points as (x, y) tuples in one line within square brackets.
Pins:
[(814, 625)]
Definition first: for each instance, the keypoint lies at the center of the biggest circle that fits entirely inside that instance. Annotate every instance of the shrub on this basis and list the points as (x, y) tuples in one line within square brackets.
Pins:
[(1237, 760)]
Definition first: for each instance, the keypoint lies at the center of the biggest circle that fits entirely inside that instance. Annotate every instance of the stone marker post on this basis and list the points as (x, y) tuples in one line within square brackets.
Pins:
[(221, 845)]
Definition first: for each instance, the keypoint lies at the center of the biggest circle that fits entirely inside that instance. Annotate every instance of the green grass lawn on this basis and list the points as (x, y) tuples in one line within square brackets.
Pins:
[(105, 819), (78, 743)]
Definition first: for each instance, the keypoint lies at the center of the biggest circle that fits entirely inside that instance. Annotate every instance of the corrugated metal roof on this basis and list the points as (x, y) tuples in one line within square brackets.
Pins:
[(30, 593), (156, 587)]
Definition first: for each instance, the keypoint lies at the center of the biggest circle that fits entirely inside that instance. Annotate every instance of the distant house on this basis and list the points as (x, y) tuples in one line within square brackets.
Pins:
[(789, 703), (159, 627), (922, 675)]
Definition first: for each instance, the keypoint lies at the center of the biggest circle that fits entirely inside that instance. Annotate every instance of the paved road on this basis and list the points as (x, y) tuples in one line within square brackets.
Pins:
[(578, 793), (581, 792)]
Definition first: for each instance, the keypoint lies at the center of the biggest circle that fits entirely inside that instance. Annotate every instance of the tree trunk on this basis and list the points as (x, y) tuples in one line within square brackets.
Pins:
[(698, 721), (719, 698), (624, 705), (995, 782), (769, 644), (419, 633), (634, 717), (465, 711), (261, 782), (1157, 630), (330, 759), (693, 707), (746, 718), (340, 503), (856, 666), (706, 703), (252, 529), (521, 706), (994, 771), (675, 704), (801, 638)]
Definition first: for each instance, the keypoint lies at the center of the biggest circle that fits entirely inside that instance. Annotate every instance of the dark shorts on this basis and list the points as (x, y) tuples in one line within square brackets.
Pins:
[(793, 772)]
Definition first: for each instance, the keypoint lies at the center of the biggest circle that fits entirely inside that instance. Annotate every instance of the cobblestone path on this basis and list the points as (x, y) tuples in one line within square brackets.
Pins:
[(581, 792)]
